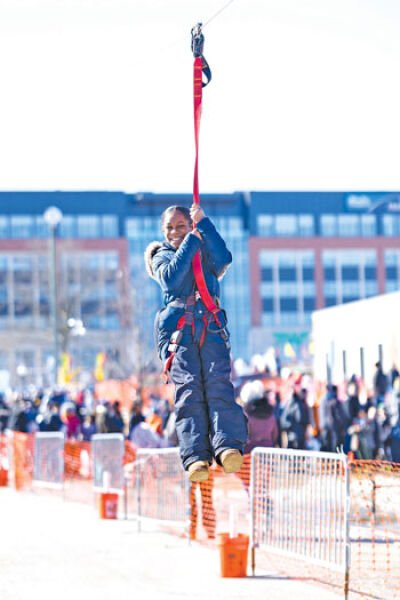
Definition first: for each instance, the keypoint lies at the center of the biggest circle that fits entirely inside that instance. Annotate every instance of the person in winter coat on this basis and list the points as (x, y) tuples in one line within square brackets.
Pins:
[(295, 418), (262, 424), (334, 421), (380, 384), (209, 423)]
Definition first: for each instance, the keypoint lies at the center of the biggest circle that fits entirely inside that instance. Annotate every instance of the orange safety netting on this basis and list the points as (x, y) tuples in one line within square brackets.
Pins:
[(20, 449)]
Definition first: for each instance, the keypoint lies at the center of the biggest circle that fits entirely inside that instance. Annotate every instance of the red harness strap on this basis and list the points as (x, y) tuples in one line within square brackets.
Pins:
[(196, 263)]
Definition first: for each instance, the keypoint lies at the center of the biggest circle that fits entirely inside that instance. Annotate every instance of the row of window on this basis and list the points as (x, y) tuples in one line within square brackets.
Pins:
[(280, 225), (288, 304), (330, 225), (71, 226)]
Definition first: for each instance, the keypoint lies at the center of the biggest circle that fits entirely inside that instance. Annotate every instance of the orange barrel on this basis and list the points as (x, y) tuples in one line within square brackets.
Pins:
[(108, 506), (3, 477), (233, 552)]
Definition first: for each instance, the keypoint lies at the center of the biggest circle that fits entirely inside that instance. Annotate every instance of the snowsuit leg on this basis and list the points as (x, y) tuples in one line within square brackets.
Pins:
[(208, 420), (190, 405), (227, 422)]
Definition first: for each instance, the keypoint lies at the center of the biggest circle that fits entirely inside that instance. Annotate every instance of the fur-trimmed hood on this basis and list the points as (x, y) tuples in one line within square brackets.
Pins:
[(150, 251)]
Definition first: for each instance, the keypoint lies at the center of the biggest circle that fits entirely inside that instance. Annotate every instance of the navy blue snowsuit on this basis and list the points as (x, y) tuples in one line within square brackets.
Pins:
[(208, 420)]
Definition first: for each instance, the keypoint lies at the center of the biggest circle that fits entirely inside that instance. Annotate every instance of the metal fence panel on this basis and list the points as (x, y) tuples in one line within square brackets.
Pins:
[(162, 487), (48, 464), (300, 505), (107, 454)]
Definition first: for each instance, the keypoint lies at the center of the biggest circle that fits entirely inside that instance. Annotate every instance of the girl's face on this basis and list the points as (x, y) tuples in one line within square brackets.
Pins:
[(175, 227)]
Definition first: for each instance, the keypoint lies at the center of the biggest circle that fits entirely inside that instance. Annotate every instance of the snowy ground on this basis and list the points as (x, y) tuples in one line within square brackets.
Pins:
[(55, 550)]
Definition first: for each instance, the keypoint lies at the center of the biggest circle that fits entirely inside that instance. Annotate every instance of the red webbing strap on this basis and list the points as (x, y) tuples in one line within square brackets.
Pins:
[(196, 263)]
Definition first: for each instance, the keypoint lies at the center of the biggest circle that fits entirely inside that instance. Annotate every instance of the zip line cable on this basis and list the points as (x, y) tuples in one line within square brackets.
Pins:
[(147, 59), (217, 13)]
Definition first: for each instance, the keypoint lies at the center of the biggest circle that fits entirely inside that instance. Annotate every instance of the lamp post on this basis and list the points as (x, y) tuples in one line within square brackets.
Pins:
[(53, 217), (78, 331)]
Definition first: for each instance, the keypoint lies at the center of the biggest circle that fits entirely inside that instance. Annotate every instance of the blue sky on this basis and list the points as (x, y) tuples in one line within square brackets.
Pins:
[(98, 95)]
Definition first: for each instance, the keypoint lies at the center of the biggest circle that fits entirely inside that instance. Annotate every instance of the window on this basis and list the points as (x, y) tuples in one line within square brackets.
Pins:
[(350, 299), (306, 225), (288, 319), (288, 304), (286, 225), (330, 300), (67, 227), (330, 288), (349, 225), (289, 288), (267, 319), (371, 288), (22, 227), (351, 288), (350, 273), (391, 286), (42, 229), (329, 273), (268, 304), (287, 274), (142, 228), (391, 272), (368, 225), (328, 225), (308, 273), (23, 269), (391, 257), (264, 225), (266, 274), (88, 226), (4, 228), (109, 226), (370, 273), (111, 261), (390, 225), (309, 304)]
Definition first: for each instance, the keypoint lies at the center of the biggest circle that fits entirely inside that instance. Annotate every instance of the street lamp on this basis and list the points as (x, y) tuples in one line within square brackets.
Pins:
[(53, 217)]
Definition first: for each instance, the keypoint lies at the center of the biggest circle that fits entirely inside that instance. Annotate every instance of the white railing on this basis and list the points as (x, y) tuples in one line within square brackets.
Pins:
[(300, 505), (108, 451), (162, 487), (48, 463)]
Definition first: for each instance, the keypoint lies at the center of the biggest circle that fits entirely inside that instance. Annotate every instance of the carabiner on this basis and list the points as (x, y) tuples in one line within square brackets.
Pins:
[(197, 40)]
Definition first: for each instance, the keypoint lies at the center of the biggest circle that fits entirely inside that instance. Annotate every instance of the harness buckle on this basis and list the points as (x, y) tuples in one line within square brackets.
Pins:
[(175, 340)]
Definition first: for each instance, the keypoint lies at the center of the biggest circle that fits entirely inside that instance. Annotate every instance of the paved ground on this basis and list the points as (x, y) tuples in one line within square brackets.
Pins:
[(50, 549)]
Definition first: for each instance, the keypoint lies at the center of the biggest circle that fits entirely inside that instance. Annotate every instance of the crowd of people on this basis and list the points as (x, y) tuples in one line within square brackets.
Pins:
[(344, 419)]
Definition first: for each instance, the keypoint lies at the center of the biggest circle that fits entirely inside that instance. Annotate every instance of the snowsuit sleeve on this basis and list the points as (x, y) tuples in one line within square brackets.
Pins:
[(171, 272), (214, 246)]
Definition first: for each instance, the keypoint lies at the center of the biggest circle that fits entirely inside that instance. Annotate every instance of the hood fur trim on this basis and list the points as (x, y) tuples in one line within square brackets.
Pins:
[(150, 251)]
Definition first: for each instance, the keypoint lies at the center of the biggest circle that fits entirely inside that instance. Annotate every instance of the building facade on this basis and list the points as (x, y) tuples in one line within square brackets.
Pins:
[(101, 279), (310, 250), (294, 252)]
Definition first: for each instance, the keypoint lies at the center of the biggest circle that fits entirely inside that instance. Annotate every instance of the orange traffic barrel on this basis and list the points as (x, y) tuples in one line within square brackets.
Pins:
[(233, 552), (108, 506)]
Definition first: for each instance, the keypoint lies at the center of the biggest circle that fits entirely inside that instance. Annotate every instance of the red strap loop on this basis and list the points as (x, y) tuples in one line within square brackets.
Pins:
[(196, 263)]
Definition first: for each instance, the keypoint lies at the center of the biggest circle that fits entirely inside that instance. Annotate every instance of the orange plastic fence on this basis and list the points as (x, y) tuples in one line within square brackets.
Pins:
[(374, 517)]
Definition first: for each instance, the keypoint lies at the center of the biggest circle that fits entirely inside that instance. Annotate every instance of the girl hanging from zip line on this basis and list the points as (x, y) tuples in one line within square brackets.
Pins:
[(194, 344)]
